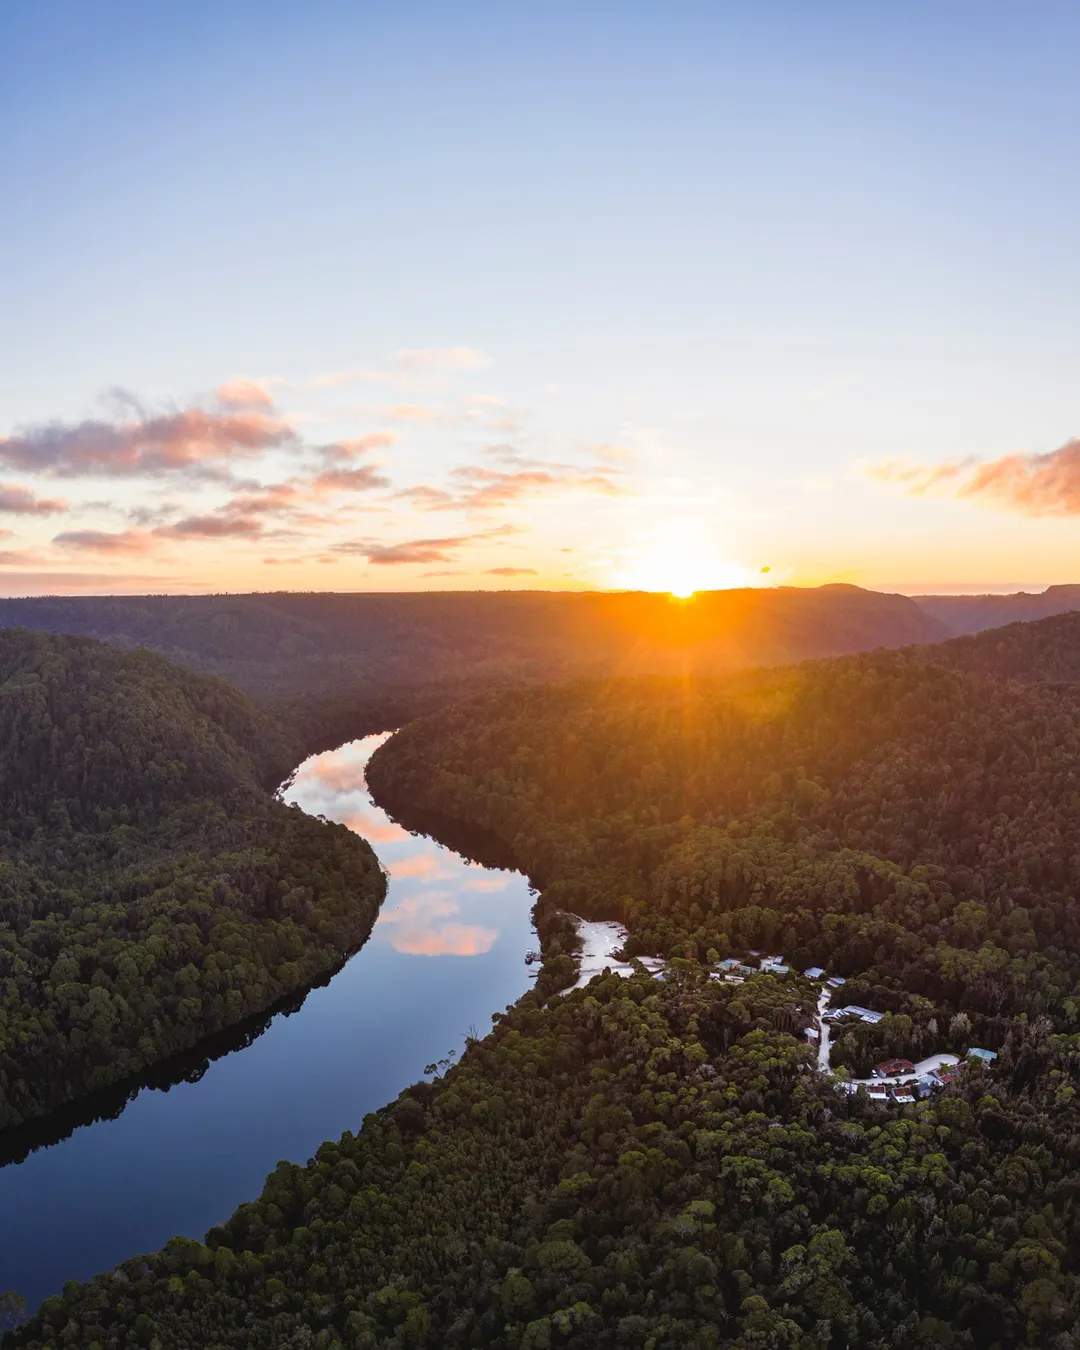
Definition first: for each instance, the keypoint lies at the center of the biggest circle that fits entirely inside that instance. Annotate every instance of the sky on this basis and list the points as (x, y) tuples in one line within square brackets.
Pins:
[(349, 296)]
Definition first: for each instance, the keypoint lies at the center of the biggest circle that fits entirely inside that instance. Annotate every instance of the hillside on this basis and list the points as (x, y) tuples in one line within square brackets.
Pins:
[(346, 663), (965, 614), (154, 891), (655, 1165)]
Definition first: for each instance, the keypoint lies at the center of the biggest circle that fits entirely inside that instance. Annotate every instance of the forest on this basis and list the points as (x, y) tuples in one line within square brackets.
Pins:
[(154, 891), (347, 664), (655, 1163)]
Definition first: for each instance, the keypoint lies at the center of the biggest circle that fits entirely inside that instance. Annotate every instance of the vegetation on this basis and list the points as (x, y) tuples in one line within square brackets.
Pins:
[(656, 1164), (640, 1165), (152, 890), (344, 665)]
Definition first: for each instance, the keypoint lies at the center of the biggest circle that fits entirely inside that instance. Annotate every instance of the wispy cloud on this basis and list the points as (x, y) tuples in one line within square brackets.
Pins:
[(407, 366), (105, 542), (507, 476), (510, 571), (440, 550), (240, 392), (1032, 484), (177, 442), (20, 501), (212, 527)]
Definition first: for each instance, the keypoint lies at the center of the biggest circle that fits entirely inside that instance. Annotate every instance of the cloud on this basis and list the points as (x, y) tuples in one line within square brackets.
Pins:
[(510, 572), (13, 558), (420, 550), (20, 501), (425, 926), (481, 488), (95, 583), (406, 366), (432, 498), (414, 551), (363, 479), (241, 392), (1034, 485), (359, 445), (441, 358), (212, 527), (101, 541), (416, 412), (188, 441)]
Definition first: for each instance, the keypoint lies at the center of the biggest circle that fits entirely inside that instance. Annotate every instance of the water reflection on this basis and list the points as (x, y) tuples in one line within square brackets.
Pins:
[(188, 1147)]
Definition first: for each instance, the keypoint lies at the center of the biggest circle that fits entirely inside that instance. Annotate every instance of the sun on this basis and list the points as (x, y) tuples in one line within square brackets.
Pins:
[(681, 564)]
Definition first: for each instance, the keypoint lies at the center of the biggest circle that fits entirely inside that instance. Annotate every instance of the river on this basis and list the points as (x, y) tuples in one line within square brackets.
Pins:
[(448, 950)]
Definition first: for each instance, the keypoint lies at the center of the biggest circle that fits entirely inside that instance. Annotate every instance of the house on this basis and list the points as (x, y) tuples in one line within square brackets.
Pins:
[(731, 963), (946, 1074), (892, 1068), (836, 982), (774, 965), (814, 973), (927, 1084), (812, 1033), (903, 1096), (987, 1056), (867, 1015), (878, 1092)]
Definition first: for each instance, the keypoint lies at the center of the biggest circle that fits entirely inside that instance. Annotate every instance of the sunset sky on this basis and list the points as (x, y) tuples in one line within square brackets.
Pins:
[(423, 295)]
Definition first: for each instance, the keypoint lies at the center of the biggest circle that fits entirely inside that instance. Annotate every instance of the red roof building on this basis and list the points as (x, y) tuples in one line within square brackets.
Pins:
[(891, 1068)]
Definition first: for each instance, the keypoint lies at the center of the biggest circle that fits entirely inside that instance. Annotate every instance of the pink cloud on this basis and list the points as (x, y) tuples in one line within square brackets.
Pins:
[(425, 926), (177, 442), (20, 501), (1032, 484), (241, 392), (102, 541), (510, 572), (212, 527)]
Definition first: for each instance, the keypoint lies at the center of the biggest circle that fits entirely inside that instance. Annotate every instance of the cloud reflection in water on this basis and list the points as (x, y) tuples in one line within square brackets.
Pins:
[(438, 904)]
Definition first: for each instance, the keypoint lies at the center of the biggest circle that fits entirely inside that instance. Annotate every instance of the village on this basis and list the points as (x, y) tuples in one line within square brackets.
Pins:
[(893, 1081)]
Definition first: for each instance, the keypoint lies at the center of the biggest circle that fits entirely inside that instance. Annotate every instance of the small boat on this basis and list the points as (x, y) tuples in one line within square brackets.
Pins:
[(531, 957)]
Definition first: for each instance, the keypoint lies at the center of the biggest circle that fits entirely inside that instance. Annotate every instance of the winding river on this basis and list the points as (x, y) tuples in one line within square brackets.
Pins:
[(447, 951)]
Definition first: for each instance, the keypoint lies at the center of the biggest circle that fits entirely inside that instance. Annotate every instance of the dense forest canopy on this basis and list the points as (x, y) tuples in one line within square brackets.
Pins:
[(909, 817), (347, 663), (154, 890), (656, 1164)]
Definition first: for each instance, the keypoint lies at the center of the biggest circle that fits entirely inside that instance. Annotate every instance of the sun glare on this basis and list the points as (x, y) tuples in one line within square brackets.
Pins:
[(681, 567)]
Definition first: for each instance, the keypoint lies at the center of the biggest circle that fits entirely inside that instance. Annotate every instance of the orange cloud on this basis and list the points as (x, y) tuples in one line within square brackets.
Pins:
[(241, 392), (102, 541), (448, 939), (20, 501), (425, 926), (1034, 485), (422, 866)]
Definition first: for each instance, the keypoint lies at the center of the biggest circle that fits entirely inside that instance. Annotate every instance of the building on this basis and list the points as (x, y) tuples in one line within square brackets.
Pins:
[(892, 1068), (814, 973), (946, 1074), (835, 982), (867, 1015), (903, 1096), (987, 1056)]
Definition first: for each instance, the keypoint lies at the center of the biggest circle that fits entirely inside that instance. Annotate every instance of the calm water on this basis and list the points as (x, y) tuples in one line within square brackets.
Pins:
[(448, 950)]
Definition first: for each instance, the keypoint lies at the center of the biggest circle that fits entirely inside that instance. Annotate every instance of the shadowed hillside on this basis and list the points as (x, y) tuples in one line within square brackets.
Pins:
[(152, 890), (287, 646)]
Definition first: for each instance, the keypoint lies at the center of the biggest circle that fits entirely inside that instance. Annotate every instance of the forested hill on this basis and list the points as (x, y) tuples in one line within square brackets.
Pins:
[(655, 1165), (966, 614), (908, 816), (153, 890), (362, 655)]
